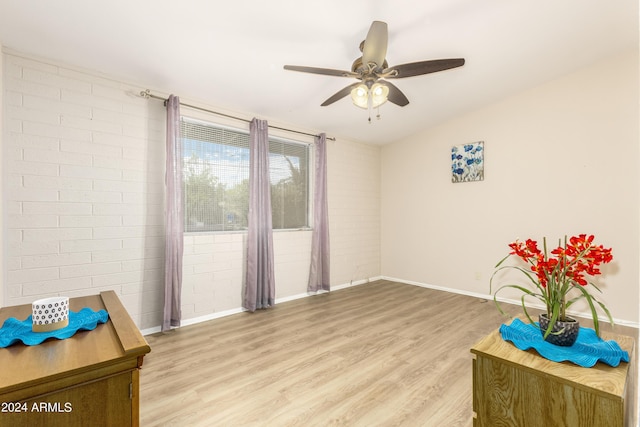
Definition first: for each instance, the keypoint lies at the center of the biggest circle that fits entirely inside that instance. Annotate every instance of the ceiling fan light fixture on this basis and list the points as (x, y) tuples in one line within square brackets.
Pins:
[(360, 96), (379, 94)]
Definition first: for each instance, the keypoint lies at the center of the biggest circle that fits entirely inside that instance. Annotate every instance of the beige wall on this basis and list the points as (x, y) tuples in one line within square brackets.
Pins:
[(562, 158)]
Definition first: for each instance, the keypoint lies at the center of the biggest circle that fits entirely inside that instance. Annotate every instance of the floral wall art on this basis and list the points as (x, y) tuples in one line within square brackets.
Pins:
[(467, 162)]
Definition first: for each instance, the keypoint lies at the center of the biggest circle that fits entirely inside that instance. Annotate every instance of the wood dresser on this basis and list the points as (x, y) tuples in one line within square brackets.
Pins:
[(512, 387), (90, 379)]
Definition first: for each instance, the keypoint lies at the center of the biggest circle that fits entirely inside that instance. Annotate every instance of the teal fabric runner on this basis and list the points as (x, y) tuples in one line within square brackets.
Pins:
[(14, 330), (586, 351)]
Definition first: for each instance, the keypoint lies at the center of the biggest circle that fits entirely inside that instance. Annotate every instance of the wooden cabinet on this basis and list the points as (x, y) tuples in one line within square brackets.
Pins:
[(512, 387), (90, 379)]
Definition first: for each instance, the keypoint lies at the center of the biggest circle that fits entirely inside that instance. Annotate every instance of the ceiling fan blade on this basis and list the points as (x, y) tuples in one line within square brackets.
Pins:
[(395, 95), (422, 67), (340, 94), (323, 71), (375, 45)]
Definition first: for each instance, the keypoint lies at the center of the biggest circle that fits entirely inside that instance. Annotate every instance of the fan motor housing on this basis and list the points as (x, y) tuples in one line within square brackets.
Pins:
[(359, 67)]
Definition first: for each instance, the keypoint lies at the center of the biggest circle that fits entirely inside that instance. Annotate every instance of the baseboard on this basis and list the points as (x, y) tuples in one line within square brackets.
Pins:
[(355, 283), (352, 283), (217, 315), (586, 315), (150, 331), (438, 288)]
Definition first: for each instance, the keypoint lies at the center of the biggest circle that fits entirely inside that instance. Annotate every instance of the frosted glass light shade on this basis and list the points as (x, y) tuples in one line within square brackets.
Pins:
[(361, 94), (379, 94)]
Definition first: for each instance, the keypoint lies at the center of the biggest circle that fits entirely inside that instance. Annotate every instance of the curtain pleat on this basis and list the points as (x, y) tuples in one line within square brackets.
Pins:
[(174, 218), (319, 277), (260, 279)]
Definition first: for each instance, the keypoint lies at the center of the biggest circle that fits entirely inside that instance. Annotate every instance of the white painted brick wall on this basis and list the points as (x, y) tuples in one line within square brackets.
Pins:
[(85, 171), (78, 221), (354, 211)]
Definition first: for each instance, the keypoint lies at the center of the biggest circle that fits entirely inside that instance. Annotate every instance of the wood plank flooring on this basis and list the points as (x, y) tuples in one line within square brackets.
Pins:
[(379, 354)]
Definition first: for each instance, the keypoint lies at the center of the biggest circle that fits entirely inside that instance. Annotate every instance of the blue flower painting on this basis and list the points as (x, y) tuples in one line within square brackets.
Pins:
[(467, 162)]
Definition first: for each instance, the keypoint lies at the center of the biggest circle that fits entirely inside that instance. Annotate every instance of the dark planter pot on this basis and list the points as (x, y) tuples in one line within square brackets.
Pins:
[(563, 333)]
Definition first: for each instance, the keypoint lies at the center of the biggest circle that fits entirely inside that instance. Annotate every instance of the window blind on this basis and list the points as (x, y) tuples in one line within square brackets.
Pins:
[(216, 179)]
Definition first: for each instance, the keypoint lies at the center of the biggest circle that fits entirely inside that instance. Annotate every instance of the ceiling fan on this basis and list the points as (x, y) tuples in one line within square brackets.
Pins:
[(373, 71)]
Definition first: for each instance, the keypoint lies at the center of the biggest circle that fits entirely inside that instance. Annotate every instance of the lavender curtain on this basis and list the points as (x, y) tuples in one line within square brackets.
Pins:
[(319, 273), (260, 288), (174, 218)]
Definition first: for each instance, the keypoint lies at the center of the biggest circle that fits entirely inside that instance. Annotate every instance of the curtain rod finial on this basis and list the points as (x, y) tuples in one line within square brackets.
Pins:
[(146, 94)]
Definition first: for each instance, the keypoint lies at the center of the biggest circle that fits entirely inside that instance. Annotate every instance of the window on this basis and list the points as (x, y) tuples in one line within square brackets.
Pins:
[(216, 179)]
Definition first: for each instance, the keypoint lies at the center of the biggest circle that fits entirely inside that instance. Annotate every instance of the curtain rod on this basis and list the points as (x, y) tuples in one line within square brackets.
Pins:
[(147, 94)]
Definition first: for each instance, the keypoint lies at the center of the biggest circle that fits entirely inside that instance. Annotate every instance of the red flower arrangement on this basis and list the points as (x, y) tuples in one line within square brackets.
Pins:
[(569, 268)]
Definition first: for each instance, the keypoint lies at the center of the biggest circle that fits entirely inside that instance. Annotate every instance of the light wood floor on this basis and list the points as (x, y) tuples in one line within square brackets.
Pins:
[(379, 354)]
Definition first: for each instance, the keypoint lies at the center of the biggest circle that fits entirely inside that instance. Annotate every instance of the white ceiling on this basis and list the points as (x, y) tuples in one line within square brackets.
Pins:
[(230, 54)]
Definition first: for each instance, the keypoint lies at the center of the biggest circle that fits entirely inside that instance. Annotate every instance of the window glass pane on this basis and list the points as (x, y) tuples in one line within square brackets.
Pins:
[(288, 166), (216, 178)]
